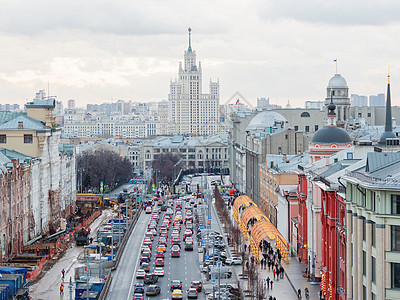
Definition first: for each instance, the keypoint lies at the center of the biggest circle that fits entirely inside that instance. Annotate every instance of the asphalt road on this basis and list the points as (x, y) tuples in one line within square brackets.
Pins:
[(124, 276), (184, 268)]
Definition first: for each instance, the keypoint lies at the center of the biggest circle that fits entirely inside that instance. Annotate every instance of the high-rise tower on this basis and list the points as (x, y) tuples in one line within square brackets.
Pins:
[(190, 112)]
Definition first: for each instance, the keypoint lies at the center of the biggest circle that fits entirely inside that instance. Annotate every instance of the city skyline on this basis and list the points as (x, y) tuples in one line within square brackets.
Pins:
[(97, 52)]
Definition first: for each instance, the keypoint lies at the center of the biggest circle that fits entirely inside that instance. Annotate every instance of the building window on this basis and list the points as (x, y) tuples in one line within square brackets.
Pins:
[(395, 275), (369, 114), (307, 128), (364, 258), (395, 238), (359, 115), (373, 234), (373, 269), (296, 128), (349, 155), (3, 139), (396, 204), (28, 138), (364, 229), (305, 115), (316, 128)]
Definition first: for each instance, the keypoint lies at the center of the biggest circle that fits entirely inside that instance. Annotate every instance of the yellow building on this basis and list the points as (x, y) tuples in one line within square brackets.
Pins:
[(29, 134)]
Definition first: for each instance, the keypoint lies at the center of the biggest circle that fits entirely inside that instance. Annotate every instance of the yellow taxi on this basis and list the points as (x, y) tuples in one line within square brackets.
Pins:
[(177, 294), (162, 248)]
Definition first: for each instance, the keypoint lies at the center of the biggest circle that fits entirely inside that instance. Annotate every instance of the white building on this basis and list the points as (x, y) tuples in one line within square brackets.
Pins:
[(201, 153), (190, 112)]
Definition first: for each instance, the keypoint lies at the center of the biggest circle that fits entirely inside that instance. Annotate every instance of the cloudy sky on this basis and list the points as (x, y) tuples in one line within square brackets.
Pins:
[(95, 51)]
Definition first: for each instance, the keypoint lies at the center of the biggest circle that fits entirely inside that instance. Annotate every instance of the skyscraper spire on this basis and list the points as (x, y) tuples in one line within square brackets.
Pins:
[(388, 133), (190, 41)]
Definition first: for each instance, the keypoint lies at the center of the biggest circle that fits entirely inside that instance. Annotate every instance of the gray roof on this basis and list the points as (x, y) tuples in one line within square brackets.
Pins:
[(183, 142), (6, 116), (28, 124), (41, 103), (337, 81), (331, 134), (379, 160), (264, 120)]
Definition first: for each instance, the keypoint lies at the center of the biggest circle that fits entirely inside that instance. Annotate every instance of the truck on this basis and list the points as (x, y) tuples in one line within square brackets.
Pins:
[(81, 237)]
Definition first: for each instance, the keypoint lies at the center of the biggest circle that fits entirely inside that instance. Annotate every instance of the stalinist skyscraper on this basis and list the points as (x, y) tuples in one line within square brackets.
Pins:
[(190, 112)]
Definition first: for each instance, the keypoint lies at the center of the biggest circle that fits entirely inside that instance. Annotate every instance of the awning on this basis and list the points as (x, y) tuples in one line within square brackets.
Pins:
[(252, 212), (239, 201)]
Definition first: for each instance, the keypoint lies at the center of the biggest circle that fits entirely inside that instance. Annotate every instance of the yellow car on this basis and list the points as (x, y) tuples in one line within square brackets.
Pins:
[(177, 294), (162, 248)]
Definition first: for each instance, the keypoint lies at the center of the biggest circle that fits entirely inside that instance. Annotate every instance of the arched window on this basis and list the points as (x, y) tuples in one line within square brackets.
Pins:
[(305, 114)]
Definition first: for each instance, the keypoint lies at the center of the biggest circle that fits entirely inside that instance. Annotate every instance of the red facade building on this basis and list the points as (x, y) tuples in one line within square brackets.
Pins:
[(302, 219), (333, 218)]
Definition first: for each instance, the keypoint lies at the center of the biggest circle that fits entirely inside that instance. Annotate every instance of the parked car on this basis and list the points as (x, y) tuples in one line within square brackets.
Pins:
[(234, 260)]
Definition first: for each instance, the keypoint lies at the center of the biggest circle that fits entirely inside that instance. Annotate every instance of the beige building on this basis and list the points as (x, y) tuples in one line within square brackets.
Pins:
[(277, 171), (373, 227)]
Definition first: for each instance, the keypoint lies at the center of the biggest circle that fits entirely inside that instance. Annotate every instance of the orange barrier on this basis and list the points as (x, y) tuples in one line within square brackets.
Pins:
[(61, 244)]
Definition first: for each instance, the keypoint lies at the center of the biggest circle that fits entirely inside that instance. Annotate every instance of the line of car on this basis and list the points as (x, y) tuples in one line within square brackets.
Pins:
[(160, 227)]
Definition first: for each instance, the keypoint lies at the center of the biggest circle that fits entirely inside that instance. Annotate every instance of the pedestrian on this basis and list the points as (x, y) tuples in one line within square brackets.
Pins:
[(89, 230), (299, 293), (269, 265), (270, 298), (274, 272), (37, 251), (63, 273), (271, 282), (247, 265), (267, 280), (262, 263), (279, 257), (274, 298), (282, 271), (244, 248), (277, 274), (249, 248), (61, 289)]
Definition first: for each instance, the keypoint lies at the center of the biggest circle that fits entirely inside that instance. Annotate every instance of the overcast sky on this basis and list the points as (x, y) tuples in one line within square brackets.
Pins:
[(96, 51)]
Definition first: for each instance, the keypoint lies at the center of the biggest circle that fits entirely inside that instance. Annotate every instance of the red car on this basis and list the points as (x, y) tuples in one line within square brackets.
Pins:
[(175, 251), (160, 254)]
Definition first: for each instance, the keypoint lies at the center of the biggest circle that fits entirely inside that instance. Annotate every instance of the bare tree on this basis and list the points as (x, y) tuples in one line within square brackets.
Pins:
[(166, 163), (105, 166)]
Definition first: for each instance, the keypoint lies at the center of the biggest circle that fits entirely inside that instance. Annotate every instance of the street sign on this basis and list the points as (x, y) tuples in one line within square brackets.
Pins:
[(213, 279), (207, 257), (209, 217), (201, 227)]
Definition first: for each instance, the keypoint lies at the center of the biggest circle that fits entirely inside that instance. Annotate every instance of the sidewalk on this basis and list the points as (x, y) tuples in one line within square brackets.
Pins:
[(285, 288), (48, 287)]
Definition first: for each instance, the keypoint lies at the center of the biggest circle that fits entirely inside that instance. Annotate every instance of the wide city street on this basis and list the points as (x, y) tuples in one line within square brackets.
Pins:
[(184, 267)]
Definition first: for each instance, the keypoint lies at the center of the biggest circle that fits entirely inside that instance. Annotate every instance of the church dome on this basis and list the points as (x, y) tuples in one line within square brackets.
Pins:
[(265, 120), (337, 81), (331, 134)]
